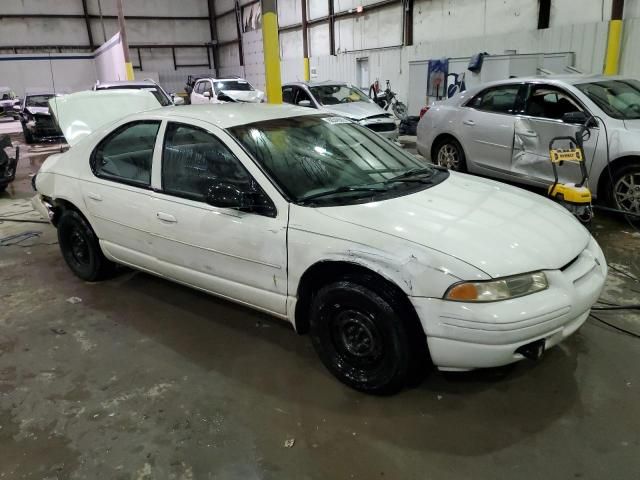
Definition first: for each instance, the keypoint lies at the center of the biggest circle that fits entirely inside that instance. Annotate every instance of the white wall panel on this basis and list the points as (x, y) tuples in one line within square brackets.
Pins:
[(289, 12), (253, 58), (317, 8), (319, 40), (630, 61), (169, 8), (229, 55), (291, 44), (222, 6), (227, 28)]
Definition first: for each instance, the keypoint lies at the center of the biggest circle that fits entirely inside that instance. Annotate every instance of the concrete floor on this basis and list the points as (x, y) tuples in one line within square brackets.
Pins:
[(146, 379)]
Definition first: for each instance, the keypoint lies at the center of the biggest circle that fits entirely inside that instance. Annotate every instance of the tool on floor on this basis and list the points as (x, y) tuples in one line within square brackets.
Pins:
[(575, 197)]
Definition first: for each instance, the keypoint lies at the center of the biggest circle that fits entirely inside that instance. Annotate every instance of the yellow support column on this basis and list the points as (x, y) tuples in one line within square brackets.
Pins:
[(307, 70), (129, 67), (612, 61), (271, 49)]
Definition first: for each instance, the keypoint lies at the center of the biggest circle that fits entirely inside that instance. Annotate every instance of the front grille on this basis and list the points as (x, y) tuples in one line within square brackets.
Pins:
[(382, 127)]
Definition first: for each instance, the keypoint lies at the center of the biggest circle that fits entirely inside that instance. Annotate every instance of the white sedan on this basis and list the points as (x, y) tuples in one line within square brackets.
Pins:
[(312, 218)]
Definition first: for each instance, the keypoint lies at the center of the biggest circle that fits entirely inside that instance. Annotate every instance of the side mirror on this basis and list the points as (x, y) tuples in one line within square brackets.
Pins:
[(207, 94), (178, 100), (304, 103), (226, 195), (578, 118)]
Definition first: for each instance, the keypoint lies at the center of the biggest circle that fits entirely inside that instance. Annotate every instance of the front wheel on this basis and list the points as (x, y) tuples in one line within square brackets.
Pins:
[(449, 154), (361, 337), (80, 248), (625, 189), (400, 110)]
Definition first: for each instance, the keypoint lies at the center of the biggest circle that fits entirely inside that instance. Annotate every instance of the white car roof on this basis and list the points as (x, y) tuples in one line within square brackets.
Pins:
[(555, 79), (232, 79), (125, 83), (227, 115)]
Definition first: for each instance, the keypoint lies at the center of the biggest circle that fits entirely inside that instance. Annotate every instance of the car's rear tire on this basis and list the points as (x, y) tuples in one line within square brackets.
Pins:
[(361, 337), (449, 154), (80, 248), (623, 189)]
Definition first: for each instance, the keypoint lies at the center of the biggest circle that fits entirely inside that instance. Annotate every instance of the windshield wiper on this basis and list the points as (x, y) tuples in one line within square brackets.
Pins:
[(424, 175), (338, 190)]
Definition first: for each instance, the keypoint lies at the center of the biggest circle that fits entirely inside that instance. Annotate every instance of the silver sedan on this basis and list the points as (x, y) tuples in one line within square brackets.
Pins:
[(503, 129)]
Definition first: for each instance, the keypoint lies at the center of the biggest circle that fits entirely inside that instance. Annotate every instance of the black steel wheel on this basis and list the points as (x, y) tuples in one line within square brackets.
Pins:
[(361, 338), (80, 248)]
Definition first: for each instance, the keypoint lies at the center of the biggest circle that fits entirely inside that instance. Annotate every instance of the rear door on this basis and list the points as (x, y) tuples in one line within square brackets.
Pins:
[(487, 126), (119, 194), (542, 122)]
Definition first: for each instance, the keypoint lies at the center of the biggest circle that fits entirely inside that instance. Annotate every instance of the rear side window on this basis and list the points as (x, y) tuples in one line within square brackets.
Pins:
[(192, 158), (502, 99), (126, 155)]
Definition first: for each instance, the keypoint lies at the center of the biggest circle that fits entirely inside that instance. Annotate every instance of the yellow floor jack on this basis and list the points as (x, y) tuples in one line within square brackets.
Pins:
[(575, 197)]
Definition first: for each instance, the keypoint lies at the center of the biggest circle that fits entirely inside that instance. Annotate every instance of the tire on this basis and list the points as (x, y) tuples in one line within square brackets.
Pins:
[(449, 154), (623, 190), (80, 248), (361, 337)]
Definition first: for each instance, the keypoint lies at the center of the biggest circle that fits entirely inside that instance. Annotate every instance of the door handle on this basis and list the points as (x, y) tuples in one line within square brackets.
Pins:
[(165, 217), (94, 196), (471, 123)]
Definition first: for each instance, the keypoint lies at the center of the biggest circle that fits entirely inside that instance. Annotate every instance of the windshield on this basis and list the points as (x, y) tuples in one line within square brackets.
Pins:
[(332, 160), (39, 100), (233, 85), (617, 98), (335, 94)]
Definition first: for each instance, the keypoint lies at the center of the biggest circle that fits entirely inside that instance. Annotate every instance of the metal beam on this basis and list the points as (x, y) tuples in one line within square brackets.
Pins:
[(305, 42), (95, 17), (332, 28), (407, 16), (123, 40), (214, 35), (239, 30), (544, 14), (87, 21)]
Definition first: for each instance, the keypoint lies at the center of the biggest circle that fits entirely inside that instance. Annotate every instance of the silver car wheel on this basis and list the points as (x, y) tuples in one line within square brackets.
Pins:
[(626, 193), (449, 157)]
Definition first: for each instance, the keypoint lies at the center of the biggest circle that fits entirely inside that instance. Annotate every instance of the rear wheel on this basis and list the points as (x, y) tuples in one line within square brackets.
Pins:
[(449, 154), (361, 337), (80, 248)]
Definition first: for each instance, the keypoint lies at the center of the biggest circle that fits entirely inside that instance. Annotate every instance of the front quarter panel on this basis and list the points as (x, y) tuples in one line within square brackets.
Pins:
[(416, 270)]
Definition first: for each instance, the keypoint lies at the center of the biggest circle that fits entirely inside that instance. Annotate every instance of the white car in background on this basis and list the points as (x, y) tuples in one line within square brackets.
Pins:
[(503, 129), (342, 99), (222, 90), (319, 221)]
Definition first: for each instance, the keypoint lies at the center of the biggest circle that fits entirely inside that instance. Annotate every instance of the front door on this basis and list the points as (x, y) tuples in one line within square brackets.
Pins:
[(118, 196), (487, 127), (241, 255), (542, 122)]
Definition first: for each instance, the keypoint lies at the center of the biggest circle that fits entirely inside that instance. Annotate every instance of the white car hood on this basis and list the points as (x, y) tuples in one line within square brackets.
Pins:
[(632, 124), (252, 96), (355, 110), (80, 114), (499, 229)]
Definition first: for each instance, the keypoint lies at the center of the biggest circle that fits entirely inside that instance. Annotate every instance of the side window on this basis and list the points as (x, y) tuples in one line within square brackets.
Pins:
[(287, 94), (192, 158), (126, 155), (546, 101), (500, 99), (302, 96)]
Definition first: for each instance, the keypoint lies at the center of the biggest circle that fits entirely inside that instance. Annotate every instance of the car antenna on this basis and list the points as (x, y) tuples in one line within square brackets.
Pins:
[(55, 95)]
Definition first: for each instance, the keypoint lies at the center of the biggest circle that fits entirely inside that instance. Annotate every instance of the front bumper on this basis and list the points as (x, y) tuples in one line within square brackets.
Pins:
[(387, 127), (464, 336)]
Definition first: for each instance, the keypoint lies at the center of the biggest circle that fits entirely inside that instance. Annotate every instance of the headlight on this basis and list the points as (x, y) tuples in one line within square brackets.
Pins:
[(501, 289)]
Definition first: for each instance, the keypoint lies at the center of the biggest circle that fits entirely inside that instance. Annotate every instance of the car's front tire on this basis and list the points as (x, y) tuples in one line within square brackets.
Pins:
[(624, 189), (361, 337), (449, 154), (80, 248)]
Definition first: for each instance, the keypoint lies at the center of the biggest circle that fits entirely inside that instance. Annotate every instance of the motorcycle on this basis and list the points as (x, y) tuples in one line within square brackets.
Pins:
[(388, 98)]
